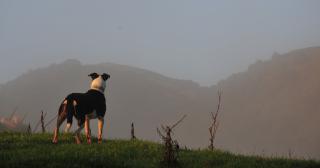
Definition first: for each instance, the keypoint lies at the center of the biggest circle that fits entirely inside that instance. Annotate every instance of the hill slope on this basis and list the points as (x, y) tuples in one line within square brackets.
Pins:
[(270, 109), (274, 108), (21, 150), (133, 95)]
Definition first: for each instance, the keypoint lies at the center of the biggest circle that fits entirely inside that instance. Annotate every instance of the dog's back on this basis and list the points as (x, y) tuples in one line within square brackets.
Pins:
[(80, 104)]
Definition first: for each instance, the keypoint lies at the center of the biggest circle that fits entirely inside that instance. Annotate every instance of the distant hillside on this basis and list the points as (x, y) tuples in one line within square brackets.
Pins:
[(133, 95), (274, 108), (270, 109)]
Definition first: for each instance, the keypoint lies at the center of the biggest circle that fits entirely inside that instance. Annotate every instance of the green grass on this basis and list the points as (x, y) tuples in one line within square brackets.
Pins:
[(22, 150)]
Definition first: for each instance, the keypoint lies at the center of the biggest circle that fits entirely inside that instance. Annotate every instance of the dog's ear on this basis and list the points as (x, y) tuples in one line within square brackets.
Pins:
[(105, 76), (93, 75)]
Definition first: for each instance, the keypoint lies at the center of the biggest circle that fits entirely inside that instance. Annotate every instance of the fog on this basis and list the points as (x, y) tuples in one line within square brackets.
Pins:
[(208, 42), (204, 41)]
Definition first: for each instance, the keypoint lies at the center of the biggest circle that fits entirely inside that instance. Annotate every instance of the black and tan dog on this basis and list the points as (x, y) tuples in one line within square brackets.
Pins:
[(84, 106)]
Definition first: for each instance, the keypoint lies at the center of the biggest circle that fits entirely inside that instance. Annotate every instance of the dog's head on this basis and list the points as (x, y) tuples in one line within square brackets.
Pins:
[(99, 81)]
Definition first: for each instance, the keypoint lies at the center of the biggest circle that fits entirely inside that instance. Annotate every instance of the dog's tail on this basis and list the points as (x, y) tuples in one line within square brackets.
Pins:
[(62, 108)]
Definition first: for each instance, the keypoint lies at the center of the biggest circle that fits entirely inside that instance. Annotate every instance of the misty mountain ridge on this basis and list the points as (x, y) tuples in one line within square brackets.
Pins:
[(272, 108)]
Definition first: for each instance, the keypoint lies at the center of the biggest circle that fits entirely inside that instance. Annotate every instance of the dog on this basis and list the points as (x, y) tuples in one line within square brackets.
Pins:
[(84, 107)]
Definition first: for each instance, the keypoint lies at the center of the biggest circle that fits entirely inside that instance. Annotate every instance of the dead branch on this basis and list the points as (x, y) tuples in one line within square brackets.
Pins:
[(215, 123), (171, 147), (29, 129), (160, 134), (133, 137), (42, 122), (50, 121), (174, 125)]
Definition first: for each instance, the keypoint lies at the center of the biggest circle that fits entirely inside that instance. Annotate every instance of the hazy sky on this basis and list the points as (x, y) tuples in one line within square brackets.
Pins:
[(200, 40)]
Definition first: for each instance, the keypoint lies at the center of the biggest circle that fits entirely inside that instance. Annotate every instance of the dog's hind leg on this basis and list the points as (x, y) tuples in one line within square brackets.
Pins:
[(70, 109), (62, 115), (77, 133)]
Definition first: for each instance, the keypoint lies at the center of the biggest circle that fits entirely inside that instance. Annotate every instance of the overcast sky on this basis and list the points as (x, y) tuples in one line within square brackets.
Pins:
[(204, 41)]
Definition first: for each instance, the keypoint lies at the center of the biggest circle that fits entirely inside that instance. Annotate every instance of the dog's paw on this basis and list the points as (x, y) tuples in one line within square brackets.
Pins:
[(78, 140), (89, 140), (54, 141), (99, 140)]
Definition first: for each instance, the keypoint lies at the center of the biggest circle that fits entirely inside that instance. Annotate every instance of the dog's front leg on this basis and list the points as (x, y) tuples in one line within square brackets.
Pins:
[(100, 128), (87, 129), (60, 120)]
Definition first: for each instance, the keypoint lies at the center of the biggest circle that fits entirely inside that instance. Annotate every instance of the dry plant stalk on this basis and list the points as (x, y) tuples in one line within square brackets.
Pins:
[(42, 122), (29, 129), (133, 137), (214, 122), (171, 148)]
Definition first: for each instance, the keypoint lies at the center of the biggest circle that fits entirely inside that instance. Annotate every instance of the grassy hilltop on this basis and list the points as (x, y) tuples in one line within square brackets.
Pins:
[(22, 150)]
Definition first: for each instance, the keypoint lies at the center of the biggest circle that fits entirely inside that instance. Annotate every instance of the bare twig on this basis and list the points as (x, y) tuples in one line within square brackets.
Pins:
[(133, 137), (171, 147), (174, 125), (42, 122), (39, 122), (215, 124), (50, 121), (160, 134), (29, 129)]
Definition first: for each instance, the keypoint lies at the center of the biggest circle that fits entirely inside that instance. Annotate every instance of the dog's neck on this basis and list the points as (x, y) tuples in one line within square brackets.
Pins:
[(98, 84), (99, 90)]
